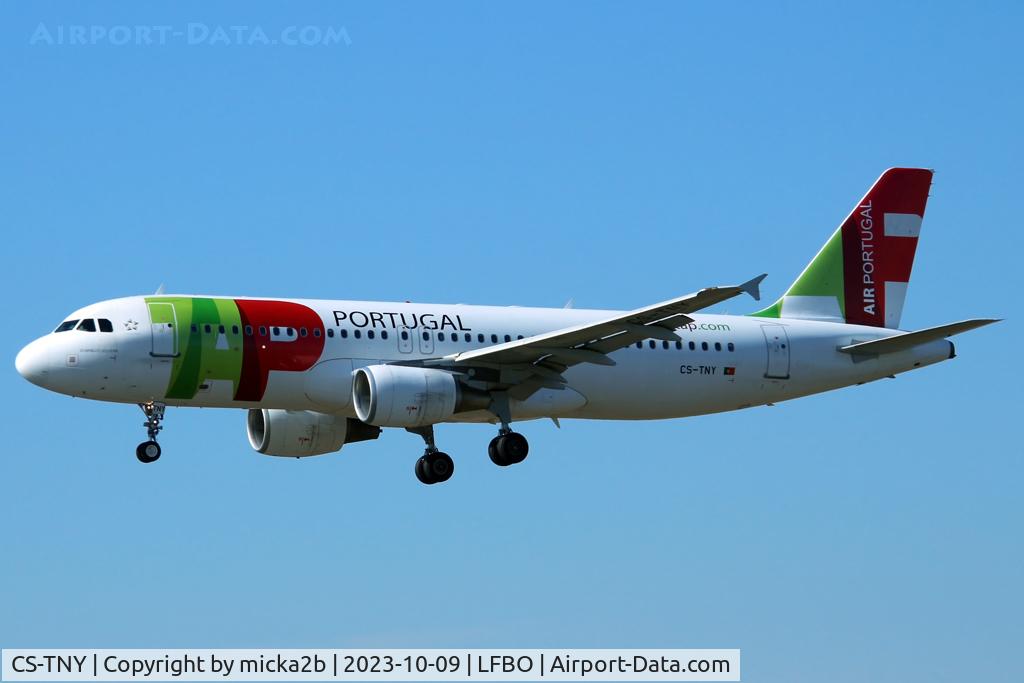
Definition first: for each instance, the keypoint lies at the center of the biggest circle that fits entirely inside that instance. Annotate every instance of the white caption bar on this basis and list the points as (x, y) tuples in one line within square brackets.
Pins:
[(371, 665)]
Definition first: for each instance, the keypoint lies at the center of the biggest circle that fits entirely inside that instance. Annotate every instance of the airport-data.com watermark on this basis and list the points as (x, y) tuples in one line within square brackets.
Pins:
[(191, 34)]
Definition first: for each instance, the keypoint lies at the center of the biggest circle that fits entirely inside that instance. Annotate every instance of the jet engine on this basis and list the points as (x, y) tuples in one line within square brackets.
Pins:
[(401, 396), (301, 433)]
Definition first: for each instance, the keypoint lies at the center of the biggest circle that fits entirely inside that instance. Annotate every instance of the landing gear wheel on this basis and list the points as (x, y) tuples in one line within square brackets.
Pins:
[(441, 466), (513, 448), (495, 454), (423, 471), (507, 449), (434, 467), (148, 451)]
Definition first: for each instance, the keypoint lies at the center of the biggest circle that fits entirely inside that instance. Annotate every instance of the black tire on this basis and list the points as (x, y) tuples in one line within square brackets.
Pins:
[(423, 471), (495, 452), (148, 451), (441, 466), (513, 448)]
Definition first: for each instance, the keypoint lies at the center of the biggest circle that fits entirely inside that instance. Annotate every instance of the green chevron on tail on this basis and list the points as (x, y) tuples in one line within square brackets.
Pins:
[(821, 279)]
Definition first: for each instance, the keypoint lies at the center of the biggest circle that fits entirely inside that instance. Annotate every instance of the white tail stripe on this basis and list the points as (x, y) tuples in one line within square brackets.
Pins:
[(812, 308), (895, 295), (902, 225)]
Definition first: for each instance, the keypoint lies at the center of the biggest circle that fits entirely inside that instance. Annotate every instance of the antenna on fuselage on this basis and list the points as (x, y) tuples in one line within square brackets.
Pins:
[(160, 289)]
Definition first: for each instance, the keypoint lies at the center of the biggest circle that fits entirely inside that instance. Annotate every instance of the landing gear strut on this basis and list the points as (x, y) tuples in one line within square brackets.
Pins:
[(149, 451), (434, 467), (508, 447)]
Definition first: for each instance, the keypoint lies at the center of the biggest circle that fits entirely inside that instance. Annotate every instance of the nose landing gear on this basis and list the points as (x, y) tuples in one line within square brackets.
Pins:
[(434, 466), (149, 451)]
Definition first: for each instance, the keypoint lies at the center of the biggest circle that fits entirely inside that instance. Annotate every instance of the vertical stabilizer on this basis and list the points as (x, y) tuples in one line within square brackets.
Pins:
[(861, 274)]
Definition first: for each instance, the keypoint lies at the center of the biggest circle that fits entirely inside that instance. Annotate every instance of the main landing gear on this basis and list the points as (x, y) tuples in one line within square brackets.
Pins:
[(508, 447), (434, 467), (149, 451)]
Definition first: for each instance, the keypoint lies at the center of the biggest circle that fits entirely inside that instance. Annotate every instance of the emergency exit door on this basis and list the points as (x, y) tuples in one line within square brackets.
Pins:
[(777, 341), (405, 340), (426, 342)]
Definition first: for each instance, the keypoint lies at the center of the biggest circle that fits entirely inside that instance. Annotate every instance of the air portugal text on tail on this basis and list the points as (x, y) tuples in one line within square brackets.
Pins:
[(315, 375)]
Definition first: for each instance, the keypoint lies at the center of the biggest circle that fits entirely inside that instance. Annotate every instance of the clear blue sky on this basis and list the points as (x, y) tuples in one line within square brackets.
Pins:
[(617, 154)]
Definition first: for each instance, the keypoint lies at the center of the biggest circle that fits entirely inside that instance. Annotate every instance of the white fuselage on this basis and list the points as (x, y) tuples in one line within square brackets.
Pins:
[(721, 363)]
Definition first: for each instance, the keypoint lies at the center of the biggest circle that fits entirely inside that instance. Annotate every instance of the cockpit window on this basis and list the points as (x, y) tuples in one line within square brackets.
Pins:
[(66, 325), (105, 325), (87, 325)]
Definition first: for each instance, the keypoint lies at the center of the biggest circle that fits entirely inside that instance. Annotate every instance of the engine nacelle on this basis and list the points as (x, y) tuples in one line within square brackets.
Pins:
[(301, 433), (401, 396)]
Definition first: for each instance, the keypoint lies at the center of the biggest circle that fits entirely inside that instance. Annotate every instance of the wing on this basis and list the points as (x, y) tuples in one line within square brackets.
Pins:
[(525, 365)]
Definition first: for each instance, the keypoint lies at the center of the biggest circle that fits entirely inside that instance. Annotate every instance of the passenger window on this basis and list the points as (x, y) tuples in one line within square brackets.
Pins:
[(679, 346), (508, 338), (263, 331), (664, 345), (344, 334), (480, 338), (276, 331), (731, 346), (220, 329), (290, 331), (469, 337), (66, 325), (651, 344), (718, 346), (440, 336), (426, 336), (105, 325), (87, 325), (383, 334), (519, 336), (693, 347), (234, 329), (316, 332), (703, 346), (494, 339), (357, 334), (330, 333), (405, 335), (369, 334), (302, 332)]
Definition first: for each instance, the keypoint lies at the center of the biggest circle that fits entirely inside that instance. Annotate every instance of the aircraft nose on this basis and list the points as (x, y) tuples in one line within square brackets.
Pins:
[(32, 362)]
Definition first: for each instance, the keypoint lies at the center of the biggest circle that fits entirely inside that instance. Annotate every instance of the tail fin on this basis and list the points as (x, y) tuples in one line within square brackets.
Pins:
[(861, 274)]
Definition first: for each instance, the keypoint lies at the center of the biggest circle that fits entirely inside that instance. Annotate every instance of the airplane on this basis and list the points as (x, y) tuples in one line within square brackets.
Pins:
[(315, 375)]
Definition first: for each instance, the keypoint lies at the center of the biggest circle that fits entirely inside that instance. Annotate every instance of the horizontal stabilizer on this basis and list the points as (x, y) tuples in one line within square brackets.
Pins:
[(902, 342)]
